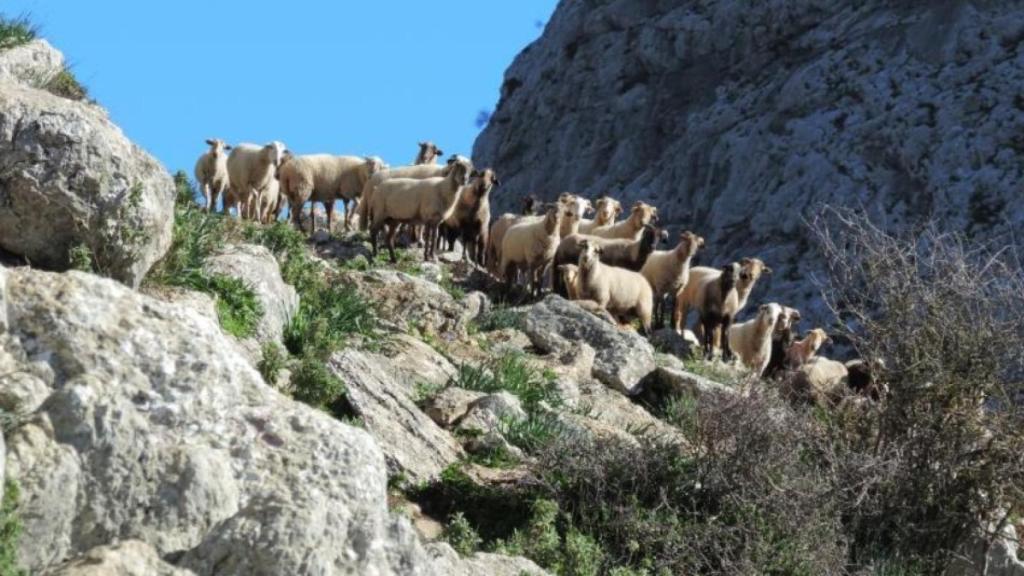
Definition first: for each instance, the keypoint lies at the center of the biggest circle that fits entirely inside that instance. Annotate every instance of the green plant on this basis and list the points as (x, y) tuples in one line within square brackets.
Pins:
[(238, 309), (329, 314), (66, 85), (10, 531), (462, 537), (80, 257), (500, 318), (449, 285), (16, 31), (272, 362), (513, 373), (315, 385), (532, 433), (574, 554)]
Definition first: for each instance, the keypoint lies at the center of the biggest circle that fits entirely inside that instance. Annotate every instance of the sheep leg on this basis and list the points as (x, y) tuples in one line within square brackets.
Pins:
[(207, 193), (707, 324), (330, 215), (723, 332), (392, 232), (348, 215), (679, 313), (296, 214), (312, 217)]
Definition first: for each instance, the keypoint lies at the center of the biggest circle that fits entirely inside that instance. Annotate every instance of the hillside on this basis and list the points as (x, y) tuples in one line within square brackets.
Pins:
[(739, 120)]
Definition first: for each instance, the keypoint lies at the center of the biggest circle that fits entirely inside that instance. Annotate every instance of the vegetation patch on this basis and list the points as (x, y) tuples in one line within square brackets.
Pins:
[(10, 531), (16, 31), (66, 85), (512, 373)]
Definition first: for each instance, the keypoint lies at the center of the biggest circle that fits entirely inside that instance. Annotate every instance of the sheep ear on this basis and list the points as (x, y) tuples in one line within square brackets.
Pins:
[(211, 141), (496, 181), (422, 144), (767, 270), (227, 146), (439, 151), (745, 261)]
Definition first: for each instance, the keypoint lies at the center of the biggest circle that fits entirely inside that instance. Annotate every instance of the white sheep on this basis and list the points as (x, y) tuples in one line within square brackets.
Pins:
[(325, 178), (751, 341), (641, 214), (250, 170), (507, 220), (623, 293), (530, 246), (801, 351), (570, 277), (427, 201), (212, 172), (668, 271), (607, 210), (819, 381), (416, 171), (579, 207)]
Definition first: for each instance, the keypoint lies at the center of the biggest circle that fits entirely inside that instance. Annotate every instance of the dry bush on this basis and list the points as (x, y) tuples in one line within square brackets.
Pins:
[(943, 456)]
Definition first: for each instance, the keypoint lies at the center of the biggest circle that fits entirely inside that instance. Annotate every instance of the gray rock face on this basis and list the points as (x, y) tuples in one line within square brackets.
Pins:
[(451, 404), (403, 300), (154, 428), (622, 358), (737, 119), (1001, 558), (33, 64), (412, 443), (127, 558), (418, 362), (68, 177), (257, 268)]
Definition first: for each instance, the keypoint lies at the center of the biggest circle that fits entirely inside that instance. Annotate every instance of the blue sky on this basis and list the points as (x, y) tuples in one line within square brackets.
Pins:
[(339, 77)]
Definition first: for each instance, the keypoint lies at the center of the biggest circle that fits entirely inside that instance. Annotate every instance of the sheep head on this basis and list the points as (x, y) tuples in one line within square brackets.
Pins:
[(217, 146), (607, 210), (689, 243), (768, 316), (730, 276), (816, 338), (529, 203), (374, 164), (644, 214), (459, 172), (273, 154), (787, 319), (429, 152), (590, 255)]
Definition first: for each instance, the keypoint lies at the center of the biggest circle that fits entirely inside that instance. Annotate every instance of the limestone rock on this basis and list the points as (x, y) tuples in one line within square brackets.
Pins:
[(68, 177), (450, 404), (127, 558), (257, 268), (737, 119), (33, 64), (623, 358), (155, 429), (449, 563), (413, 445), (418, 362), (406, 301)]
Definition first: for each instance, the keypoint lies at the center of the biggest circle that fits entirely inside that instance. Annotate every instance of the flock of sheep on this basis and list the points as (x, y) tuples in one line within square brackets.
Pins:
[(607, 264)]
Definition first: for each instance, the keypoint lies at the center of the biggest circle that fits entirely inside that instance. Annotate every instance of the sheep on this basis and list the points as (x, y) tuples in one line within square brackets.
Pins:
[(668, 271), (629, 254), (623, 293), (607, 210), (820, 381), (410, 201), (472, 216), (250, 170), (689, 296), (641, 214), (530, 246), (428, 154), (212, 172), (502, 224), (417, 171), (782, 338), (529, 205), (324, 178), (715, 311), (801, 351), (579, 206), (751, 341), (863, 379), (569, 275)]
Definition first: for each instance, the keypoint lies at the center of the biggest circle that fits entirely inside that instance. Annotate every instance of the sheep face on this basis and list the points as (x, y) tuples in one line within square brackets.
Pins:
[(607, 209), (569, 274), (787, 319), (689, 243), (374, 164), (273, 155), (730, 276), (817, 338), (529, 203), (429, 152), (459, 172), (217, 146), (768, 316), (590, 255), (644, 213), (552, 218)]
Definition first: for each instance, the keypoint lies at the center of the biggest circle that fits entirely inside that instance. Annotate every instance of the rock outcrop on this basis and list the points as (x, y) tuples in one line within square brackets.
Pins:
[(622, 358), (257, 268), (154, 428), (738, 119), (69, 177)]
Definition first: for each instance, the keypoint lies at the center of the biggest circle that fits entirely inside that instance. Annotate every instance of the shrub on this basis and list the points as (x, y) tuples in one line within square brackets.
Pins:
[(273, 360), (80, 258), (462, 537), (500, 318), (65, 85), (575, 554), (532, 433), (16, 31), (939, 460), (10, 531), (315, 385)]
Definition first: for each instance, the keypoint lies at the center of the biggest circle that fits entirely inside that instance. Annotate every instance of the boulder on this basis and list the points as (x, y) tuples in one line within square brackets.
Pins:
[(666, 383), (414, 446), (449, 563), (450, 404), (155, 429), (669, 341), (33, 64), (257, 268), (418, 362), (405, 301), (486, 414), (622, 358), (71, 178), (126, 558)]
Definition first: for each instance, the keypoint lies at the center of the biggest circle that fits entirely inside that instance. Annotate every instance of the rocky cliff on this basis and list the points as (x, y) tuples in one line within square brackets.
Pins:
[(739, 119)]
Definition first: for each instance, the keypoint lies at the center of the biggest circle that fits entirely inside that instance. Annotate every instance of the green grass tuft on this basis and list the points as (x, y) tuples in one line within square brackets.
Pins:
[(512, 373), (10, 531), (80, 258), (272, 362), (461, 535), (16, 31), (65, 85), (315, 385)]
